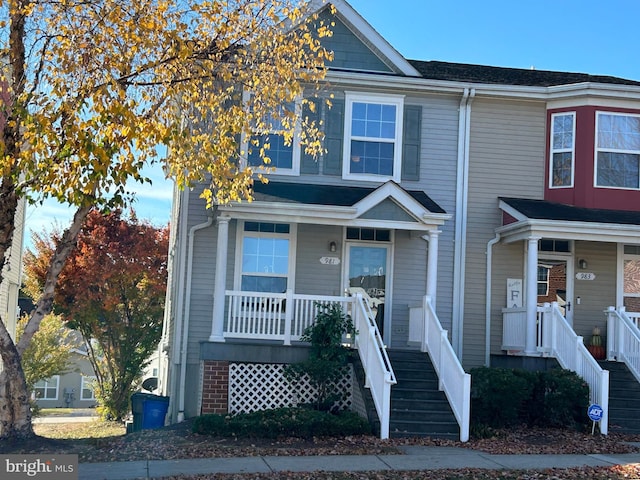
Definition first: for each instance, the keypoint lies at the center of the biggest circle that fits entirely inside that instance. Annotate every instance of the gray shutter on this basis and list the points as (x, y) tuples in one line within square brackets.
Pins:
[(309, 164), (411, 136), (334, 136)]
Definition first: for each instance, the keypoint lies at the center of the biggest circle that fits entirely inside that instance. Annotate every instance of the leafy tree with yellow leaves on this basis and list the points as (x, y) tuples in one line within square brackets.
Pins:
[(91, 90)]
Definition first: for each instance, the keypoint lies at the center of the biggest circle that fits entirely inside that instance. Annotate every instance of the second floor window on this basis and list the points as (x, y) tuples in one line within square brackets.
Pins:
[(269, 142), (562, 150), (618, 150), (373, 136)]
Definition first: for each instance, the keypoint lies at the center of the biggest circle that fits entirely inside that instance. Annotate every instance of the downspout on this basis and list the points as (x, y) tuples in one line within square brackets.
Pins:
[(487, 318), (460, 240), (187, 313), (179, 301)]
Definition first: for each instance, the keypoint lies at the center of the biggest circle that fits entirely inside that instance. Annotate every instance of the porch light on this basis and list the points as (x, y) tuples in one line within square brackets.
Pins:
[(582, 264), (333, 247)]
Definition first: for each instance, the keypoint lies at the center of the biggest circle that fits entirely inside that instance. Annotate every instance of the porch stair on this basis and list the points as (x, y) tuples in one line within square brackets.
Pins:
[(624, 399), (418, 408)]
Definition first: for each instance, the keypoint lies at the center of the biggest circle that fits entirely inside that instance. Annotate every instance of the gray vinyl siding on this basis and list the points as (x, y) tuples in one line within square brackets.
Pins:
[(349, 52), (506, 159), (312, 277), (409, 283), (595, 295)]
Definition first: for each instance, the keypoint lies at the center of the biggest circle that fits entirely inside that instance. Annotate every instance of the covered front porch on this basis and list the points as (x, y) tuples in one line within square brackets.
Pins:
[(296, 247), (575, 262)]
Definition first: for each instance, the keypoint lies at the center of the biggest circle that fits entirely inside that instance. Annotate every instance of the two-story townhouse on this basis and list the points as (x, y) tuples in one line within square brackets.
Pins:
[(443, 193)]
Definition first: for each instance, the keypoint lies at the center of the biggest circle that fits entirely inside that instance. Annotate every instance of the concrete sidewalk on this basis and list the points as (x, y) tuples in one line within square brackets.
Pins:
[(413, 458)]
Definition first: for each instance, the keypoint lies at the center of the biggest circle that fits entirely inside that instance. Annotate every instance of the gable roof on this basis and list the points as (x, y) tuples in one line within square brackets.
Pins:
[(545, 210), (386, 206), (544, 219), (367, 34), (337, 195)]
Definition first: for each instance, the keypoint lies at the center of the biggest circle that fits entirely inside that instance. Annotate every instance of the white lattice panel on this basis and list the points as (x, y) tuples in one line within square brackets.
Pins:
[(263, 386)]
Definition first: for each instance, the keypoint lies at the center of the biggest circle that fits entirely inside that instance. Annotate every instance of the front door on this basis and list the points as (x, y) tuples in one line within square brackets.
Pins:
[(367, 274), (555, 283)]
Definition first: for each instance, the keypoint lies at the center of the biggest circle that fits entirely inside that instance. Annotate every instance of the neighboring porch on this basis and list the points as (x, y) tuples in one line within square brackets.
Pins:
[(574, 262)]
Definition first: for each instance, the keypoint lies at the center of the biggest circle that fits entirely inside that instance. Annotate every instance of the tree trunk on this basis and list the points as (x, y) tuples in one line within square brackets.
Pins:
[(15, 412)]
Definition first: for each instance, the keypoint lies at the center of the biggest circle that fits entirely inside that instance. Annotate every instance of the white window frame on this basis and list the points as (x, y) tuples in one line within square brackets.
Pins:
[(295, 145), (47, 386), (87, 384), (571, 149), (291, 236), (597, 150), (395, 100)]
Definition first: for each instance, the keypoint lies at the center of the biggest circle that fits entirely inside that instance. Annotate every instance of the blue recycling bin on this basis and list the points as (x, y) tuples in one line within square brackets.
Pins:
[(148, 410), (154, 411)]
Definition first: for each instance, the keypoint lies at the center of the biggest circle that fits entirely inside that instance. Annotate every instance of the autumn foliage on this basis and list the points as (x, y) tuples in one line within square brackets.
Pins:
[(112, 291)]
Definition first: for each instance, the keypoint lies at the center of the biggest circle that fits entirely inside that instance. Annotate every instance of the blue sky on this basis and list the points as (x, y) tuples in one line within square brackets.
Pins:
[(587, 36)]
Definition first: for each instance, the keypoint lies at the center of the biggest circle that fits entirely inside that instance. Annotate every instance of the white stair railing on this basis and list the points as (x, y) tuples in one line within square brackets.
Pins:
[(452, 379), (561, 341), (379, 375), (623, 339)]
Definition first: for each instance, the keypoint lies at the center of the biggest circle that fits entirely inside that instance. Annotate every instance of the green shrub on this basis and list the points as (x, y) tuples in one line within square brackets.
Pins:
[(293, 422), (497, 396), (503, 397)]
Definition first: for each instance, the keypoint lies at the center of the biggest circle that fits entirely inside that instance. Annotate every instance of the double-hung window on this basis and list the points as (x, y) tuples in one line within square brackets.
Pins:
[(373, 136), (86, 388), (47, 389), (270, 147), (618, 150), (562, 154), (265, 257)]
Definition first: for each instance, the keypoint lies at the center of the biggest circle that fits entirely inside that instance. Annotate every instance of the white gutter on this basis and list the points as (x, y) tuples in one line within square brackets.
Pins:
[(460, 240), (179, 303), (187, 313), (487, 324)]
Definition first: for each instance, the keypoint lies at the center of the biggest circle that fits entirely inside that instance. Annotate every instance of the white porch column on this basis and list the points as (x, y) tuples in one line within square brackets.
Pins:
[(432, 266), (217, 328), (532, 296)]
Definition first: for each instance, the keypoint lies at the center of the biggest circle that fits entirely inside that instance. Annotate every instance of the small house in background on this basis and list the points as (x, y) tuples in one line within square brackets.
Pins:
[(464, 215)]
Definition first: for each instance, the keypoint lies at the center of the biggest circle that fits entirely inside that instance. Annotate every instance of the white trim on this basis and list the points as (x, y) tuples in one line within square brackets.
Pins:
[(47, 386), (380, 99), (389, 246), (571, 150), (84, 379), (568, 259), (292, 236), (564, 230), (365, 31), (296, 151), (285, 212), (597, 149), (620, 275)]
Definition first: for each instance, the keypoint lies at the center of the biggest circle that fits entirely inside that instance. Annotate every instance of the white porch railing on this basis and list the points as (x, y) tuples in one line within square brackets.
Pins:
[(623, 339), (557, 339), (373, 355), (274, 316), (285, 316), (634, 317), (452, 378)]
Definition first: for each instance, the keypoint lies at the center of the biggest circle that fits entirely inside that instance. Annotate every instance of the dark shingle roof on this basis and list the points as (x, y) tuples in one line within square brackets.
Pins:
[(327, 194), (462, 72), (545, 210)]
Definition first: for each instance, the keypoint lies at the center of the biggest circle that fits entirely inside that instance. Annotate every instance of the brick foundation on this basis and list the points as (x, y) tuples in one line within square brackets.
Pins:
[(215, 387)]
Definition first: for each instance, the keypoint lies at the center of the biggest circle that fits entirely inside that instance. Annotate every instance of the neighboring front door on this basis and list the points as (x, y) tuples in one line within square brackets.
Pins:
[(555, 283), (367, 274)]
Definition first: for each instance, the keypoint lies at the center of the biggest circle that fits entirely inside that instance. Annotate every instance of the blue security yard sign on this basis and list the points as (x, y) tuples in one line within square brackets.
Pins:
[(595, 412)]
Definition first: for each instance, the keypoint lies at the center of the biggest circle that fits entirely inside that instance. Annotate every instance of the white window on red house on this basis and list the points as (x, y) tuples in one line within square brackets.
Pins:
[(617, 150), (562, 150)]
